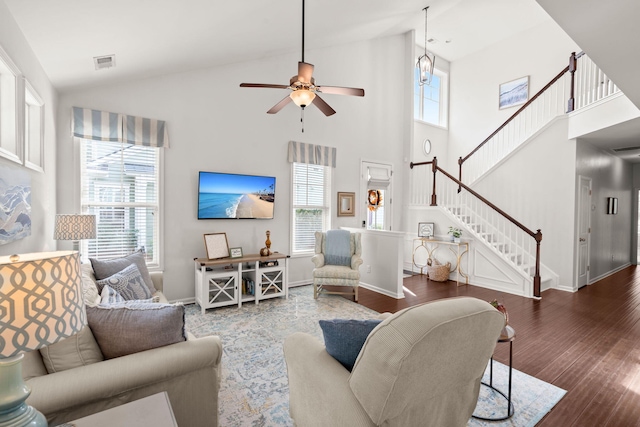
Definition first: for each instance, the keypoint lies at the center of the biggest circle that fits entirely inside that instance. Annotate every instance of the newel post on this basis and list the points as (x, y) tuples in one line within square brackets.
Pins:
[(573, 64), (536, 278), (434, 168)]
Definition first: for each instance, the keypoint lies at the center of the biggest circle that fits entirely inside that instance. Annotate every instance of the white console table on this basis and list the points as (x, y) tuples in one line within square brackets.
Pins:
[(219, 282), (431, 245)]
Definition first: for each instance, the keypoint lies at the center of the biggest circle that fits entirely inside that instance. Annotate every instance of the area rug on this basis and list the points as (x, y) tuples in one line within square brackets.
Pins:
[(254, 387)]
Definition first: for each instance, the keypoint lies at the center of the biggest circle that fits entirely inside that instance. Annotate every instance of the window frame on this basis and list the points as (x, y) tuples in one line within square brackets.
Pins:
[(15, 154), (327, 207), (157, 264), (443, 101), (33, 102)]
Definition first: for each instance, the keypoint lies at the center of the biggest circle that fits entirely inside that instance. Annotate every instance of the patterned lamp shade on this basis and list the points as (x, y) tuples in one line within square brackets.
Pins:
[(75, 227), (40, 300)]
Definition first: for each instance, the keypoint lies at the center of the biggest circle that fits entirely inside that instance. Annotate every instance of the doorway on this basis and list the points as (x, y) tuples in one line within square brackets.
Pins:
[(376, 190), (584, 230)]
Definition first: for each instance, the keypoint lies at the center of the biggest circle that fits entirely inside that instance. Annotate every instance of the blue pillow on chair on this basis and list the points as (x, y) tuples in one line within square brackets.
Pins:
[(344, 338)]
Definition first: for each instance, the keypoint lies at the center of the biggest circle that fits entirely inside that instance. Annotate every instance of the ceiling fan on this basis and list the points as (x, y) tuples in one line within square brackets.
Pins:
[(304, 90)]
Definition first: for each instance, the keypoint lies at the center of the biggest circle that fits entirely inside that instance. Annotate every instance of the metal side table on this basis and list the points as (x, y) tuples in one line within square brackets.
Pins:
[(508, 336)]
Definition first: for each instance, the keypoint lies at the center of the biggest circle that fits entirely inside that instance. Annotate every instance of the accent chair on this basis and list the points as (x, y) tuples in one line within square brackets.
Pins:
[(420, 367), (337, 261)]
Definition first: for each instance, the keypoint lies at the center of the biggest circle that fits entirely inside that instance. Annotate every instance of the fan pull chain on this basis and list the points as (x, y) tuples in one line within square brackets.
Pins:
[(302, 118)]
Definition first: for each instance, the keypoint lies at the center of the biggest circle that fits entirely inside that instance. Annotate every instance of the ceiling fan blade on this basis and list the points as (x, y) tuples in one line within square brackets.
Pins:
[(305, 72), (264, 85), (280, 105), (323, 106), (337, 90)]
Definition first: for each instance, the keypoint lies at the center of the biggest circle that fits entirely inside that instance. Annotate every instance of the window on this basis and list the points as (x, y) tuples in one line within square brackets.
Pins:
[(9, 142), (376, 186), (33, 128), (120, 185), (310, 204), (430, 101)]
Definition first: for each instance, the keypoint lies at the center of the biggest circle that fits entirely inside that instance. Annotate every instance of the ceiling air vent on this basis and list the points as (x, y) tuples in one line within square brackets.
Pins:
[(106, 61), (617, 150)]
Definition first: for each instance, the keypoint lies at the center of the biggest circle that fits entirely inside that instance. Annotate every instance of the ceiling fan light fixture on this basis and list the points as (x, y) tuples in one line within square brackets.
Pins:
[(302, 97), (426, 62)]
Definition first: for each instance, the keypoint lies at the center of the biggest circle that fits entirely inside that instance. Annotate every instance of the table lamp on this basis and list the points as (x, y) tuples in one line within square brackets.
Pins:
[(40, 304), (75, 227)]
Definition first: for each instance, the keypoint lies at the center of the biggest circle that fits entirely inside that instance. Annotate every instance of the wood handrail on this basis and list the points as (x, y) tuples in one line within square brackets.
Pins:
[(537, 235), (525, 105), (492, 206)]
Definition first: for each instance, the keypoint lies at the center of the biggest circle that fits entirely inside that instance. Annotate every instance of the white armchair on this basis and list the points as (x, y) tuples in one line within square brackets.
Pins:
[(327, 274), (420, 367)]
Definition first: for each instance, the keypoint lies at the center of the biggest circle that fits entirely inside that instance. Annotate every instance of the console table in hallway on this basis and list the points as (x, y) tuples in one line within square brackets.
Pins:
[(459, 249)]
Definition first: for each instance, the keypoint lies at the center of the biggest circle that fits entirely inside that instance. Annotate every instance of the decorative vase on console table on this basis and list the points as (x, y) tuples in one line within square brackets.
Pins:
[(266, 250)]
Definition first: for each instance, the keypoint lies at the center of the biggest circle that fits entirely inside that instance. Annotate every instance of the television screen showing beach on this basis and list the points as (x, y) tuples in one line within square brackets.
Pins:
[(225, 195)]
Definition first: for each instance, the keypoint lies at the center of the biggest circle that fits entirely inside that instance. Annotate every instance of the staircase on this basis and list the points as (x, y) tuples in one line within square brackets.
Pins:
[(501, 234)]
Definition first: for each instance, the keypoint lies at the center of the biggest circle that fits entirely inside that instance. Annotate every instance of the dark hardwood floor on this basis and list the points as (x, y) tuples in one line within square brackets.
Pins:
[(587, 342)]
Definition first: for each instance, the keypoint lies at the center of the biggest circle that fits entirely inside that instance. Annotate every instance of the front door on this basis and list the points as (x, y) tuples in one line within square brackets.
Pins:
[(584, 229)]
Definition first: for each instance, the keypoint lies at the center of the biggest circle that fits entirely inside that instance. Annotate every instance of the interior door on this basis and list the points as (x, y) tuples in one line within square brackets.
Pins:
[(584, 229)]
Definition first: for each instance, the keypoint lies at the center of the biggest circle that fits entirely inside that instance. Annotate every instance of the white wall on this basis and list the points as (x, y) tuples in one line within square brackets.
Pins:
[(536, 186), (610, 234), (540, 53), (214, 125), (43, 185)]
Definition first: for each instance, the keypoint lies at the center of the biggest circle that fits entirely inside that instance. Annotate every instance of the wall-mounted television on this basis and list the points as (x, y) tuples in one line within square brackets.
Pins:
[(229, 195)]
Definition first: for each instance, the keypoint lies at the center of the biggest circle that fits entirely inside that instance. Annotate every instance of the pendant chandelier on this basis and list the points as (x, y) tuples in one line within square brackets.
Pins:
[(426, 62)]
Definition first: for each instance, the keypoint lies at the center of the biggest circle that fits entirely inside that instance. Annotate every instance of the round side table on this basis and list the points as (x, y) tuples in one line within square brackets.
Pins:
[(509, 335)]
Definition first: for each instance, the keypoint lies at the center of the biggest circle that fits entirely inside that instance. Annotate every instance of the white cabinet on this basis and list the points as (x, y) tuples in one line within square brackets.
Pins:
[(216, 288), (232, 281)]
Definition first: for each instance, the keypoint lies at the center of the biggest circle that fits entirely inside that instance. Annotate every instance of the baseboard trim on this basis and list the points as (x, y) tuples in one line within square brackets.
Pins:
[(381, 291), (605, 275)]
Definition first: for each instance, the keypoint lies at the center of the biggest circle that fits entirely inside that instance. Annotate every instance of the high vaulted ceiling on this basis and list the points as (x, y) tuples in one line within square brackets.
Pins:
[(166, 36)]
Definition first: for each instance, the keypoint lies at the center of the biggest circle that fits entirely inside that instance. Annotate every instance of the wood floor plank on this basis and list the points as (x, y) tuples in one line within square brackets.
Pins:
[(587, 342)]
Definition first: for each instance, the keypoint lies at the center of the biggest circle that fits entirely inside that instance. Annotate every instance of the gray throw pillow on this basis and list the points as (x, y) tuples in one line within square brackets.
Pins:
[(126, 329), (106, 268), (128, 283), (77, 350)]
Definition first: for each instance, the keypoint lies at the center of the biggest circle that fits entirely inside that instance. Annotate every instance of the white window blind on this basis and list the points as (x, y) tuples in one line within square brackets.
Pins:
[(310, 203), (120, 185)]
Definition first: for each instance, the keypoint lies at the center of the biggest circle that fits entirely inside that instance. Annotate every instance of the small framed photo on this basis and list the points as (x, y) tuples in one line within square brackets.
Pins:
[(235, 252), (425, 229), (515, 92), (346, 204), (217, 245)]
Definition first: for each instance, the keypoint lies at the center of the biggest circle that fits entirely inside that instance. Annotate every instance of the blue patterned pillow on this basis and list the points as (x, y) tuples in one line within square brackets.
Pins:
[(128, 283), (110, 297), (344, 338)]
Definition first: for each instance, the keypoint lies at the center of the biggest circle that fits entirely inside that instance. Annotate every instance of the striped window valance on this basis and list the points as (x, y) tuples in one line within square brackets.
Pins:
[(301, 152), (105, 126)]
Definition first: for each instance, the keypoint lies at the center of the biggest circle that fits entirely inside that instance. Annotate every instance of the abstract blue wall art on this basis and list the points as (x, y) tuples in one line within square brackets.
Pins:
[(15, 204), (514, 93)]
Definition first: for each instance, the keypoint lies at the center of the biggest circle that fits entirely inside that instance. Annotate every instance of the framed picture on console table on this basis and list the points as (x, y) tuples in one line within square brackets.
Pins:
[(217, 245)]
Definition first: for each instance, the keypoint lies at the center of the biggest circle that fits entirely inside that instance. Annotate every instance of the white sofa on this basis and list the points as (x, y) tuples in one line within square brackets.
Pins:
[(188, 371)]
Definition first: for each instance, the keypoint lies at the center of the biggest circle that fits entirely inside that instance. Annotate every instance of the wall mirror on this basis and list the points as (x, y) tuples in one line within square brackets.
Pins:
[(346, 204)]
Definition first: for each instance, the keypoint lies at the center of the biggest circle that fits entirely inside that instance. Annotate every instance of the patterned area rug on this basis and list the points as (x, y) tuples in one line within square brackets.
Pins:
[(254, 388)]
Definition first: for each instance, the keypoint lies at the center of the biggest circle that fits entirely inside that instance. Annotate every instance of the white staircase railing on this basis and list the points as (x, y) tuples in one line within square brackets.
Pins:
[(592, 84), (582, 83)]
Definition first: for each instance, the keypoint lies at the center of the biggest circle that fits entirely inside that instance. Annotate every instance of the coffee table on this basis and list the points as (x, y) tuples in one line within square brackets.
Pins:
[(154, 410)]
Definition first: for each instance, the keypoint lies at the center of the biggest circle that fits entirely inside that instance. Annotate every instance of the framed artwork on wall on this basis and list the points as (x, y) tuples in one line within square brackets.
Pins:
[(217, 245), (425, 229), (515, 92)]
